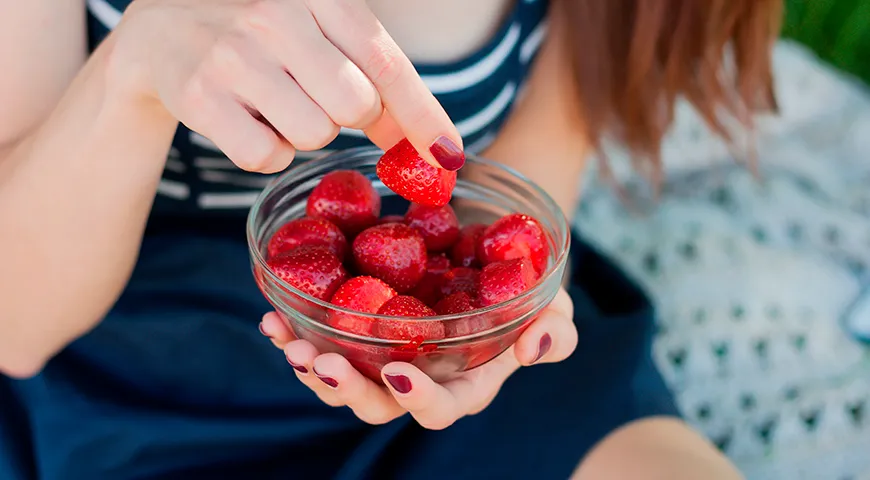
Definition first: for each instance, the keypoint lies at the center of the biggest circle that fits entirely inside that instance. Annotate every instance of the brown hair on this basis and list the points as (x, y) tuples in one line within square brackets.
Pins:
[(634, 58)]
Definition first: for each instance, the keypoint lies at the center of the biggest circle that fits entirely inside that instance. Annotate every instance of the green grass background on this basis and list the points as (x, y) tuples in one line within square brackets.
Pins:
[(838, 31)]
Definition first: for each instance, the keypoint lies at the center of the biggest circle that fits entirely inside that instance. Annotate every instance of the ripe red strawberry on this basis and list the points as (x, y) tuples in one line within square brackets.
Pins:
[(405, 172), (429, 288), (361, 294), (459, 302), (464, 252), (393, 252), (502, 281), (347, 199), (391, 219), (313, 269), (407, 306), (515, 236), (308, 231), (438, 225), (461, 279)]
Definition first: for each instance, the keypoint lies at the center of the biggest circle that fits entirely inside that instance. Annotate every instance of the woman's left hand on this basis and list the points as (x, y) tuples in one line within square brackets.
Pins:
[(551, 338)]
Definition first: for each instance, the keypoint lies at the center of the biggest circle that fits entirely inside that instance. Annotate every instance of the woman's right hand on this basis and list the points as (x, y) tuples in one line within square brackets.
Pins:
[(264, 78)]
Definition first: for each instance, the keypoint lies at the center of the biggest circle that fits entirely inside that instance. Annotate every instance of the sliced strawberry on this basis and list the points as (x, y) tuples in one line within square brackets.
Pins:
[(308, 231), (347, 199), (391, 219), (393, 252), (515, 236), (464, 252), (459, 302), (503, 281), (461, 279), (361, 294), (438, 225), (407, 306), (405, 172), (312, 269)]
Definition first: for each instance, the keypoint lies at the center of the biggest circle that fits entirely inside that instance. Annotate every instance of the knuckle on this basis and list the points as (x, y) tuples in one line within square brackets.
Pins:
[(257, 157), (359, 113), (320, 134), (384, 65), (261, 13), (227, 58)]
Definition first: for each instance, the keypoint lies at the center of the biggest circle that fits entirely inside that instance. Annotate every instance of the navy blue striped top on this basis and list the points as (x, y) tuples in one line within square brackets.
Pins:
[(477, 92)]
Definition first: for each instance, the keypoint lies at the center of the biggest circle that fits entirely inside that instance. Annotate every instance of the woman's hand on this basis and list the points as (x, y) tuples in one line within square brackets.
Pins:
[(264, 78), (552, 337)]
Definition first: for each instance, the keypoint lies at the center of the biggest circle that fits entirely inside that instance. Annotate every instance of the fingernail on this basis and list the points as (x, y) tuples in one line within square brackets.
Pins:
[(543, 347), (263, 330), (299, 368), (329, 381), (447, 153), (400, 383)]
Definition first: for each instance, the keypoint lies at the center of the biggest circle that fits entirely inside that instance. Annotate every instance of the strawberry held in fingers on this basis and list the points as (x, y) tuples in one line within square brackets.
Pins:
[(515, 236), (308, 231), (393, 252), (405, 172), (314, 270), (347, 199)]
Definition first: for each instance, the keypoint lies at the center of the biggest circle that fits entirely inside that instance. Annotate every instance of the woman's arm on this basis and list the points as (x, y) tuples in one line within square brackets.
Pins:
[(78, 173), (543, 136)]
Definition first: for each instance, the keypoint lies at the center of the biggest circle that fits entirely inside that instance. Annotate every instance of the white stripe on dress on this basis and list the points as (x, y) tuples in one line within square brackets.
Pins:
[(480, 71), (227, 200), (173, 189), (481, 119), (108, 15), (239, 179), (533, 42)]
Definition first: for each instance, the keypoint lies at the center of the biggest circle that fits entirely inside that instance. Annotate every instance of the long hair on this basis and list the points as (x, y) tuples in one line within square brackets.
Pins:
[(634, 58)]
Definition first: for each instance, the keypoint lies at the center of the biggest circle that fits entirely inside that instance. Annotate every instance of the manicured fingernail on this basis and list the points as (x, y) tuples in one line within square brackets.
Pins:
[(447, 153), (299, 368), (400, 383), (329, 381), (263, 330), (543, 347)]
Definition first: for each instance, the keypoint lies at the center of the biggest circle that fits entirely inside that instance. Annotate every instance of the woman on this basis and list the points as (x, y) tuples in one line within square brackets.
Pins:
[(129, 334)]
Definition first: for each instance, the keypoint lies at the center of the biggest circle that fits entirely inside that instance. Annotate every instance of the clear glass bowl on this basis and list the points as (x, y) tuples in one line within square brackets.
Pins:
[(484, 192)]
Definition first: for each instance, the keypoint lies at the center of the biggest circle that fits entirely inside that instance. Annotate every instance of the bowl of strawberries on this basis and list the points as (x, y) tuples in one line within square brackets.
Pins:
[(380, 257)]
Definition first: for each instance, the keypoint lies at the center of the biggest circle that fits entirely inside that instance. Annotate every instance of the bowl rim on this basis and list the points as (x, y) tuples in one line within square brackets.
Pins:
[(564, 244)]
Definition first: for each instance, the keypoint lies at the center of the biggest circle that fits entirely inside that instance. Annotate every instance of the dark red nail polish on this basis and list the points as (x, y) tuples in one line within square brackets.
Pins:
[(400, 383), (298, 368), (327, 380), (543, 347), (447, 153)]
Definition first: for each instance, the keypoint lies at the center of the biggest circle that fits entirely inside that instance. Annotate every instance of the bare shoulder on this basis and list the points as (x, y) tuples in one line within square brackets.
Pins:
[(43, 44)]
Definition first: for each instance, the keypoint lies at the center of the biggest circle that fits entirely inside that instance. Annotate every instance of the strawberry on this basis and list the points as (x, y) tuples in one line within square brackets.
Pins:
[(347, 199), (393, 252), (313, 269), (438, 225), (307, 231), (429, 288), (464, 252), (515, 236), (404, 171), (503, 281), (438, 264), (407, 306), (361, 294), (459, 302), (461, 279), (391, 219)]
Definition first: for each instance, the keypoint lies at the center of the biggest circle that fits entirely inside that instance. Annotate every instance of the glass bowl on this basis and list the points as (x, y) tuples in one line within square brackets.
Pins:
[(485, 191)]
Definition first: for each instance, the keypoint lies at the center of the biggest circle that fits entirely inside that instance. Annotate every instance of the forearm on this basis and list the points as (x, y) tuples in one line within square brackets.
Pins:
[(74, 198)]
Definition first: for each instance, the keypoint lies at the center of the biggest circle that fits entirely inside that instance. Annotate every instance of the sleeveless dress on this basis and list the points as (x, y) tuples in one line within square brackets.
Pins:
[(177, 382)]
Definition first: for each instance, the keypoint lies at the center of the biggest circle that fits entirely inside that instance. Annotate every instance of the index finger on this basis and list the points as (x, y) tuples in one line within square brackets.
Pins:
[(357, 32)]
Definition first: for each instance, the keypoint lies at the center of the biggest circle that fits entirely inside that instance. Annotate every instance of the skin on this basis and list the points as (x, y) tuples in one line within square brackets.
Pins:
[(67, 117)]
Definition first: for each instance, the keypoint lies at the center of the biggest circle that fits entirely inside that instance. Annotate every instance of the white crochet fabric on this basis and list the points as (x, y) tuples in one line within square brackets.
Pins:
[(754, 278)]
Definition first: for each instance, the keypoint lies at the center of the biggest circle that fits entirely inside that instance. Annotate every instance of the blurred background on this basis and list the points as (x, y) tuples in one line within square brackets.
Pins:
[(763, 282)]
